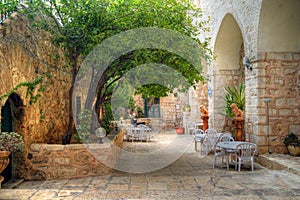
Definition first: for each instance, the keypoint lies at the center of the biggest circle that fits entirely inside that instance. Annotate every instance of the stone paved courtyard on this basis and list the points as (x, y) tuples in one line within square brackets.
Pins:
[(189, 177)]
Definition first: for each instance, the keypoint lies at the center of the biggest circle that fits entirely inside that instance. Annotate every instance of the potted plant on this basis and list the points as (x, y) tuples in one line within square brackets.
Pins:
[(186, 108), (293, 144), (10, 142), (179, 128)]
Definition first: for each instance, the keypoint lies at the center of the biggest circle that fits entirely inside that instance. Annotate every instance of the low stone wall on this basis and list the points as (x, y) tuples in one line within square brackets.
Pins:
[(51, 161)]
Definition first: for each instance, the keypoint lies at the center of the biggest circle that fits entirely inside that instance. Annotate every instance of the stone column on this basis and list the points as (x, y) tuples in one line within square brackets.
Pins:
[(205, 122), (204, 117), (185, 120), (239, 126)]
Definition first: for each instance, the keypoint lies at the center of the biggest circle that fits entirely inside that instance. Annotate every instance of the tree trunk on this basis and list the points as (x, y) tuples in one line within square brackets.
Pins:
[(66, 138)]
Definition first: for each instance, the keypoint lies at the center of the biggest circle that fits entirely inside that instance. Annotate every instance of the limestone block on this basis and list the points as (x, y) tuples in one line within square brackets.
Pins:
[(280, 101), (277, 128), (75, 147), (62, 161), (64, 172), (290, 71), (53, 147), (285, 112), (36, 174), (82, 157), (39, 160), (278, 81), (279, 56), (35, 147)]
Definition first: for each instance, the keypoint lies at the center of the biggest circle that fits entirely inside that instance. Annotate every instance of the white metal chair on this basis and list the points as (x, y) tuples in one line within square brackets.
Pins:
[(210, 140), (218, 152), (143, 133), (129, 131), (198, 137), (191, 127), (245, 153)]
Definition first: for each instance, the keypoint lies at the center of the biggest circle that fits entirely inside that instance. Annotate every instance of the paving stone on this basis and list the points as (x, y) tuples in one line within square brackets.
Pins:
[(189, 177)]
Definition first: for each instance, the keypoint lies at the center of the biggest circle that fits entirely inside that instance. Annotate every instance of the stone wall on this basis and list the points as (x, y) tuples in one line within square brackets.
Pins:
[(25, 54), (278, 75), (52, 161), (171, 107)]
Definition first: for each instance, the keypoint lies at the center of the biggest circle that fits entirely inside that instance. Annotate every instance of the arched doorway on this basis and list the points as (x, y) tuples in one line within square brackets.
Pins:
[(228, 69), (12, 114), (6, 118)]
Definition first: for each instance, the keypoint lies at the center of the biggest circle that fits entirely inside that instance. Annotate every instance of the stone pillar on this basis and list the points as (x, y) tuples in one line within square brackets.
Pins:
[(204, 117), (205, 122), (185, 120), (239, 126), (239, 121)]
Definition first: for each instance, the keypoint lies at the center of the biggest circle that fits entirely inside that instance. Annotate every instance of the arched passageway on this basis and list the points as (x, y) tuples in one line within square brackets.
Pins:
[(227, 70), (12, 113)]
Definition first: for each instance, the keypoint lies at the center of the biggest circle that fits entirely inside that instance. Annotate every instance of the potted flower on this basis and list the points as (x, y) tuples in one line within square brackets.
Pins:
[(293, 144), (186, 108), (179, 128), (10, 142)]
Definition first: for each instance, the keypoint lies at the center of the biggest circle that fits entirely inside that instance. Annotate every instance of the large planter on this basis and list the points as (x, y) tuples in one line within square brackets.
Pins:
[(4, 161), (179, 130), (294, 150)]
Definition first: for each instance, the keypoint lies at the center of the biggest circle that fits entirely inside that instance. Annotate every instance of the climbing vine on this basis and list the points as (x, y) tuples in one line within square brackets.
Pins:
[(34, 88)]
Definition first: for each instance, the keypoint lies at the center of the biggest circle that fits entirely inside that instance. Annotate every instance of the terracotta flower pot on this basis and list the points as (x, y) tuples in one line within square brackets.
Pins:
[(180, 130), (294, 150), (4, 161)]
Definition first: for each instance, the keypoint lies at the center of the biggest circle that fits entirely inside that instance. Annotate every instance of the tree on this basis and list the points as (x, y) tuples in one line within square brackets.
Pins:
[(78, 26)]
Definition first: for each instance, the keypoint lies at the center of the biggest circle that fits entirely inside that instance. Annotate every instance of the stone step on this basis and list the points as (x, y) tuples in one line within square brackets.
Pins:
[(12, 183), (280, 162)]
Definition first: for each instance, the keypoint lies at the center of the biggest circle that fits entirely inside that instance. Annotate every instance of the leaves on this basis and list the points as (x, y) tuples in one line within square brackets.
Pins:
[(234, 95), (33, 89), (11, 141)]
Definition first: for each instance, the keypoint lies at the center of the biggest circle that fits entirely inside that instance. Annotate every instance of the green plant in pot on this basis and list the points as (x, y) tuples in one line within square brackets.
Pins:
[(10, 143), (293, 144), (234, 95), (186, 108), (179, 128)]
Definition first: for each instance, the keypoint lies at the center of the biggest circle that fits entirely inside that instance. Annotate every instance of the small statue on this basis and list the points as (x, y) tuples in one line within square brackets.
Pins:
[(204, 111), (238, 113)]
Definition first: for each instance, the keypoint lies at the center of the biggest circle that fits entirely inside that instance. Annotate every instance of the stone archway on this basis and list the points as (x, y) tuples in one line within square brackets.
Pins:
[(12, 113), (6, 117), (228, 68), (277, 76)]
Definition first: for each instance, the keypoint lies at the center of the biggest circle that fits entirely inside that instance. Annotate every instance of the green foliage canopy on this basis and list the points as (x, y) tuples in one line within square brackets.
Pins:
[(78, 26)]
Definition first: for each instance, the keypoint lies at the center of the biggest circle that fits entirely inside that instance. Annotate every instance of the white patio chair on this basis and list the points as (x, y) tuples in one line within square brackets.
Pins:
[(210, 140), (129, 131), (142, 133), (218, 152), (245, 153), (198, 137), (191, 127)]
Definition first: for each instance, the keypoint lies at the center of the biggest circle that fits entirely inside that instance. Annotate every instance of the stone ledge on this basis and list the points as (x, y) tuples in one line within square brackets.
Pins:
[(280, 162)]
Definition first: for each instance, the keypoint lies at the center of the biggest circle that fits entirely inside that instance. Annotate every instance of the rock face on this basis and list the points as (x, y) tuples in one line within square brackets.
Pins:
[(25, 54)]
